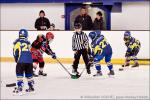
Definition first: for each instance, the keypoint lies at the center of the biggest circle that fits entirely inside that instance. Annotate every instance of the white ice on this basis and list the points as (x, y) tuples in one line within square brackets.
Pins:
[(130, 84)]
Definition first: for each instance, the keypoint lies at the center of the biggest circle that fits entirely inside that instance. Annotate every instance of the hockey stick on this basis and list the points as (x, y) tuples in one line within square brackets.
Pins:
[(72, 76), (11, 85), (64, 67), (81, 73), (124, 67), (91, 65)]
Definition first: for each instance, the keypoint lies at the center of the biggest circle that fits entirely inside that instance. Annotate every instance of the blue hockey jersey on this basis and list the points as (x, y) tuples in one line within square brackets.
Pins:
[(100, 45), (21, 51), (132, 43)]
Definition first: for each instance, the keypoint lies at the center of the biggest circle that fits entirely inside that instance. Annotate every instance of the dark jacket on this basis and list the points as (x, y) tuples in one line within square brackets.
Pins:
[(85, 20), (42, 22), (98, 24)]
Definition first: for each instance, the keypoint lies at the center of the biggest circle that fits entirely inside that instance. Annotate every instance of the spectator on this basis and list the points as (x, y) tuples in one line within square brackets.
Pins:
[(52, 27), (42, 23), (84, 19), (98, 22)]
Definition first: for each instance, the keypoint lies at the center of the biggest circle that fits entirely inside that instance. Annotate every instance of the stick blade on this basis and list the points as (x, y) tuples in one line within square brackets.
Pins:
[(11, 85), (75, 76)]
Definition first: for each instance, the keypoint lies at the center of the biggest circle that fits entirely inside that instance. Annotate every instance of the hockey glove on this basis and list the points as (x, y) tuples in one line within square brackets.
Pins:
[(135, 51), (16, 59), (91, 58), (127, 54), (53, 56)]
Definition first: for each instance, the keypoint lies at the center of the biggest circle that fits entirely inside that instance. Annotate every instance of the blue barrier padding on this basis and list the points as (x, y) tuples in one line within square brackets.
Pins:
[(105, 2)]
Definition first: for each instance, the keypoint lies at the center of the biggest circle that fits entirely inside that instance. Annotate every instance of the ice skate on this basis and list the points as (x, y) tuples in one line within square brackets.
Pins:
[(35, 75), (18, 91), (75, 72), (99, 73), (121, 69), (135, 65), (30, 89), (41, 73), (88, 71), (111, 72)]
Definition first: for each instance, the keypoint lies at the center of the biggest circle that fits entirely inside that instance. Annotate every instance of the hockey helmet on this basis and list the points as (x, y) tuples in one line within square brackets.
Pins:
[(77, 25), (94, 34), (49, 36), (23, 33), (127, 35)]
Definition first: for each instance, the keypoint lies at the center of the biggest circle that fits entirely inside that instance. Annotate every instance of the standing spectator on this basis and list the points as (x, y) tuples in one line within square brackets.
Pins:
[(84, 19), (42, 23), (98, 22), (80, 45)]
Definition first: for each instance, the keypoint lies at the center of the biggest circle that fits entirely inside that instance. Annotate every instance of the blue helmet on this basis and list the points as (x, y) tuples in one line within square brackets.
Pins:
[(94, 34), (23, 33), (127, 36), (127, 33)]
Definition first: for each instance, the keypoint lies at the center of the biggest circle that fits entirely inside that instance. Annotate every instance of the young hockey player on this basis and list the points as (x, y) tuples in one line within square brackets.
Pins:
[(80, 45), (100, 49), (23, 58), (40, 45), (133, 47)]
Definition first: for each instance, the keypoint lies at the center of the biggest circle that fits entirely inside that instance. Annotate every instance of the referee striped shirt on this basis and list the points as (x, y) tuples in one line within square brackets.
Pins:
[(79, 41)]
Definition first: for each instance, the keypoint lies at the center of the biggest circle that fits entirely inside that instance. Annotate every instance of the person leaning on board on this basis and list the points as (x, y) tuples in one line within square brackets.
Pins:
[(42, 23)]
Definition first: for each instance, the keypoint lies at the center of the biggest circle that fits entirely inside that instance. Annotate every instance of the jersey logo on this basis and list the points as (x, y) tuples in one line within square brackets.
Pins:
[(24, 47), (103, 44)]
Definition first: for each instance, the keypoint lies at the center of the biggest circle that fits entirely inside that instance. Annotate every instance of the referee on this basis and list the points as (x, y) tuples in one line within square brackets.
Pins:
[(80, 45)]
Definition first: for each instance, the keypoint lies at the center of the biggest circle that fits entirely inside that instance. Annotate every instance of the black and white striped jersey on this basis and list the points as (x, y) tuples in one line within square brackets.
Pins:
[(79, 41)]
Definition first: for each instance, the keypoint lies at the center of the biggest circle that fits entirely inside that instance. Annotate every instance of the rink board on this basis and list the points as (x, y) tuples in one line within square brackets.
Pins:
[(70, 60), (62, 45)]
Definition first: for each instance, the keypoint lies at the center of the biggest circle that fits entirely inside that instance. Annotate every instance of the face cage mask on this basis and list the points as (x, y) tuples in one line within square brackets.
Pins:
[(127, 37), (50, 41)]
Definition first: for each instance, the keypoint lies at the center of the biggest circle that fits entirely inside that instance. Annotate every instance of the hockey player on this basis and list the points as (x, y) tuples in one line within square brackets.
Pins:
[(23, 58), (100, 49), (40, 45), (133, 47)]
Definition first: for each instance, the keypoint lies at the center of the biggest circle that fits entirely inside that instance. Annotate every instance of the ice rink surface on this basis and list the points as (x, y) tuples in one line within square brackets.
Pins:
[(130, 84)]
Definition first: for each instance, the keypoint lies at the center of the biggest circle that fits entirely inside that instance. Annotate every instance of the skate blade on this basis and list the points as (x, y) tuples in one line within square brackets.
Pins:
[(111, 76), (97, 75), (19, 94), (32, 92), (128, 68), (123, 68), (102, 77), (43, 75), (135, 67), (89, 75)]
